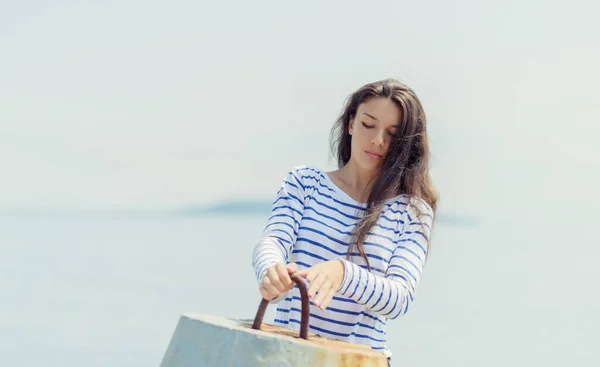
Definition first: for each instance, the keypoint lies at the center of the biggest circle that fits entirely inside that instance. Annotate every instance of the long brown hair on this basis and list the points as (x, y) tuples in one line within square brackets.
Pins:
[(405, 169)]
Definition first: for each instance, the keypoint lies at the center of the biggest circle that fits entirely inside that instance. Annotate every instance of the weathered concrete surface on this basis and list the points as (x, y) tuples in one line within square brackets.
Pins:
[(202, 340)]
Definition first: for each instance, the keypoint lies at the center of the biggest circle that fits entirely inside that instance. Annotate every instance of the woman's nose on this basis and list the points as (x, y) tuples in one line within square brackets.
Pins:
[(378, 139)]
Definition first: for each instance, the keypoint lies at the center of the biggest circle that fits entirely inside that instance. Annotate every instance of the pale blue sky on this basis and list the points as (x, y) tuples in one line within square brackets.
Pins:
[(143, 105)]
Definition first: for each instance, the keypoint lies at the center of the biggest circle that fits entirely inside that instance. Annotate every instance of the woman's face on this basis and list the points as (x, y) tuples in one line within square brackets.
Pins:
[(371, 129)]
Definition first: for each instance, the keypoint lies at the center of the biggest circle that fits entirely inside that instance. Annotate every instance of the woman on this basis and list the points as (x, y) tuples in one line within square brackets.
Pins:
[(359, 235)]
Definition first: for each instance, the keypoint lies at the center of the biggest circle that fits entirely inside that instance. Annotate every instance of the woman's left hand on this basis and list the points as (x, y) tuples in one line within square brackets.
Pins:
[(325, 279)]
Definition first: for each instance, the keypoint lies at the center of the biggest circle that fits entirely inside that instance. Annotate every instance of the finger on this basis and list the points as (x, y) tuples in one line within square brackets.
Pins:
[(302, 273), (292, 268), (270, 288), (316, 283), (311, 273), (322, 293), (265, 294), (284, 277), (273, 276), (328, 298)]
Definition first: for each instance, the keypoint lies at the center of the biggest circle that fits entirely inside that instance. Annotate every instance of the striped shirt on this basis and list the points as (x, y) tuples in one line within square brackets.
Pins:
[(311, 222)]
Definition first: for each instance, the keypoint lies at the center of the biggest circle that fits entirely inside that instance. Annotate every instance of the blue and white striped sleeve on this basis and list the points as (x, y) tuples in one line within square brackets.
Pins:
[(279, 235), (392, 295)]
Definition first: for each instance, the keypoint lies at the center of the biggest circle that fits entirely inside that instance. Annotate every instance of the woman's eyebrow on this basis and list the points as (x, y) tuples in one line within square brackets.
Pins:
[(373, 117)]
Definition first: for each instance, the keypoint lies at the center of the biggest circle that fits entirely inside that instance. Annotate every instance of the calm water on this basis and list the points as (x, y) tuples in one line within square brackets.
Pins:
[(108, 292)]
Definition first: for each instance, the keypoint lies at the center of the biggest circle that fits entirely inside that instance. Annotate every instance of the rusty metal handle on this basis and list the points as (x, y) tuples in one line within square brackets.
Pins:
[(305, 308)]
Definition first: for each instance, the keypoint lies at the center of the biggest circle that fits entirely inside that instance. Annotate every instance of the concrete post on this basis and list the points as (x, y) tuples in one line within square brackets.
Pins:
[(204, 340)]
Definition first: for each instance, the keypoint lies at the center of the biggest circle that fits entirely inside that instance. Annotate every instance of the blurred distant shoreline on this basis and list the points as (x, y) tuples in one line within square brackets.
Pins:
[(222, 208), (263, 208)]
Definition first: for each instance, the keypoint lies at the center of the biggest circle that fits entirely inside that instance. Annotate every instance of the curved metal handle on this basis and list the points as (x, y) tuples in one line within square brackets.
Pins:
[(305, 308)]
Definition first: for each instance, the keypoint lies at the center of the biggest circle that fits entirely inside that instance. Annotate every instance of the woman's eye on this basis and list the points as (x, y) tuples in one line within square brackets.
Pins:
[(367, 126)]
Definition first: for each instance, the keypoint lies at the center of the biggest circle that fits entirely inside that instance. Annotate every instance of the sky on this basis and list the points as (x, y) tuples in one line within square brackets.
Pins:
[(134, 105)]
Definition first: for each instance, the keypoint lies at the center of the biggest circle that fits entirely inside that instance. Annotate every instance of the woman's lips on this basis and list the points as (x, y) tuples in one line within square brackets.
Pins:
[(374, 155)]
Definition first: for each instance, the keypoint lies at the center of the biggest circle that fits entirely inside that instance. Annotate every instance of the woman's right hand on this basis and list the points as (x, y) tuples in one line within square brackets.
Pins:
[(277, 280)]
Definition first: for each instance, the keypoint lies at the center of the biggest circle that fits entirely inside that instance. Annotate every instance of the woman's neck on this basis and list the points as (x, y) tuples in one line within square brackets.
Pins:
[(356, 181)]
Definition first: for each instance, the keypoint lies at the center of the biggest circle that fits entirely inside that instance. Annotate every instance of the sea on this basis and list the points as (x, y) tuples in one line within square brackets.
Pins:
[(108, 290)]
